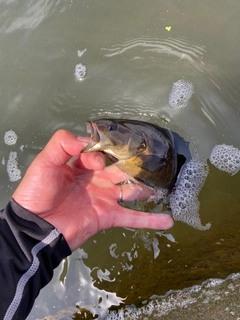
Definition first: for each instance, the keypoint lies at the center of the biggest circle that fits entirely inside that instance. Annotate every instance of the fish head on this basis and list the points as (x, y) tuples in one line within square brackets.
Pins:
[(118, 139)]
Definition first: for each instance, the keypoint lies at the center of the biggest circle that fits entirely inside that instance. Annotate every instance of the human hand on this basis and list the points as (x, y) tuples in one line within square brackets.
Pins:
[(78, 195)]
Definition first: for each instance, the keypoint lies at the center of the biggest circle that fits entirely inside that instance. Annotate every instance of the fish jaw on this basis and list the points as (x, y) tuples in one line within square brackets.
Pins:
[(94, 144), (99, 141)]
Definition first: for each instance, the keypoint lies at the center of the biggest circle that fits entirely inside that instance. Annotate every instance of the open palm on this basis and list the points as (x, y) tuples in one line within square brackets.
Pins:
[(78, 195)]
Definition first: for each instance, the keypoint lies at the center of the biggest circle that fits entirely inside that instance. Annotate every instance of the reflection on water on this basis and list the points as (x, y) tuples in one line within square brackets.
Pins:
[(28, 15), (71, 278), (132, 64)]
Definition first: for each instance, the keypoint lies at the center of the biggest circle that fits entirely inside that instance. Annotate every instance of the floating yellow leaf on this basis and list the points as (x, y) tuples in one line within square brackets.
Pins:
[(168, 28)]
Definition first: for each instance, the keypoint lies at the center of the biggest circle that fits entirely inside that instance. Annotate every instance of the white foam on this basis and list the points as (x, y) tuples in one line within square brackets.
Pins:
[(184, 199), (177, 300), (10, 137), (158, 195), (12, 167), (226, 158), (180, 94), (81, 52), (80, 71), (21, 147)]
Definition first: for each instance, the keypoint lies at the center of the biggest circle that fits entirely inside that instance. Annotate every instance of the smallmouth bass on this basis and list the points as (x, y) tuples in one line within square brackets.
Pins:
[(152, 155)]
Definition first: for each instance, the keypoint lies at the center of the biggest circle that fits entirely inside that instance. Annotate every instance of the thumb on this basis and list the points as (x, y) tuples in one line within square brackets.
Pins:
[(61, 147)]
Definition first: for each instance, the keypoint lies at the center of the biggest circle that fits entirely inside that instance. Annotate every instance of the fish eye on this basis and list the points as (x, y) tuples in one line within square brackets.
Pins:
[(143, 144), (112, 127)]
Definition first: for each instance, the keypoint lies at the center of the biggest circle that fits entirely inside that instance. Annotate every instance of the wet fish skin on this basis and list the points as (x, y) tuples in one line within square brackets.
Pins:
[(143, 150)]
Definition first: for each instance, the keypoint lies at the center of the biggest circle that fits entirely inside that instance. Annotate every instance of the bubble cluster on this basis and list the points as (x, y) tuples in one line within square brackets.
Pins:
[(181, 93), (158, 195), (184, 199), (12, 167), (226, 158), (80, 71), (10, 137)]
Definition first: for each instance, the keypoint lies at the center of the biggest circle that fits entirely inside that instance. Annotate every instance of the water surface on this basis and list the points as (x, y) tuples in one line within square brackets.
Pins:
[(132, 62)]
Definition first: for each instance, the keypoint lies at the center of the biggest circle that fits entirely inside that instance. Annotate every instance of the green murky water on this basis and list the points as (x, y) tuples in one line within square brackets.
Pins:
[(132, 61)]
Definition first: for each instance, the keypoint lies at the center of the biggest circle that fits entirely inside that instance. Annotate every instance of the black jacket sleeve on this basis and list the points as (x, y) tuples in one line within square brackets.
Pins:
[(30, 248)]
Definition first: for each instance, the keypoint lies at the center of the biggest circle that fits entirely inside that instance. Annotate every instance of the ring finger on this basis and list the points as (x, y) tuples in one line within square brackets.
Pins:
[(131, 192)]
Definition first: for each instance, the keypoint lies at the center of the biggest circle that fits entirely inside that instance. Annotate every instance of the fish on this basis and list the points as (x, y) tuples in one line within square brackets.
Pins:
[(153, 156)]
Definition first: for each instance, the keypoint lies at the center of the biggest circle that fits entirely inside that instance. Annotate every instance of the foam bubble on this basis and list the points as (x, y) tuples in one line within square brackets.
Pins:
[(80, 71), (184, 199), (21, 147), (181, 93), (12, 167), (81, 52), (174, 301), (10, 137), (226, 158), (158, 195)]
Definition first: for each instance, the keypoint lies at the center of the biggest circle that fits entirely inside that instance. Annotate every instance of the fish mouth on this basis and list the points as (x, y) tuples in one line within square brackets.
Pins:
[(94, 144)]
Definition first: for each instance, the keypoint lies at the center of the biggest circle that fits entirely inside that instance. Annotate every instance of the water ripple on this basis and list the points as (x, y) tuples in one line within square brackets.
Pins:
[(180, 48)]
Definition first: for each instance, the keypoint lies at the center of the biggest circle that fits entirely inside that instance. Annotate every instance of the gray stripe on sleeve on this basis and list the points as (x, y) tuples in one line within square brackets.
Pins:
[(29, 273)]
